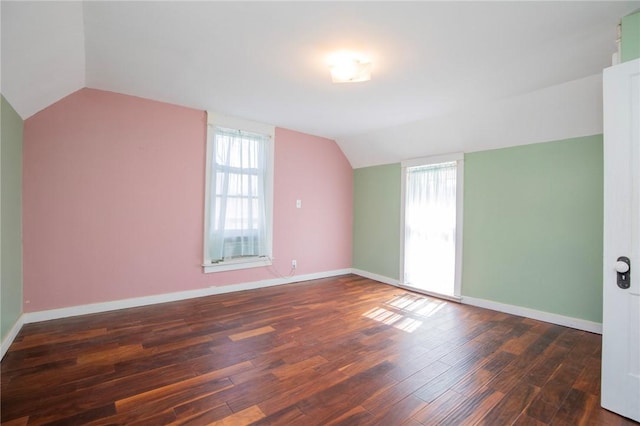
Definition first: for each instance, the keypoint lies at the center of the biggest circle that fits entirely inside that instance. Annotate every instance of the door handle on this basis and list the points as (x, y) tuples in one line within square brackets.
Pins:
[(623, 268)]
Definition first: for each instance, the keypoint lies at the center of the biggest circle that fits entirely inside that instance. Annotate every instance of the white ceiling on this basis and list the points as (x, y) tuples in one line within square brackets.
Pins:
[(266, 61), (43, 56)]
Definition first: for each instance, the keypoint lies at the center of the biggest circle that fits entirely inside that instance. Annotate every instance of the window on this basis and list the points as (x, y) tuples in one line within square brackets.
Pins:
[(431, 250), (239, 194)]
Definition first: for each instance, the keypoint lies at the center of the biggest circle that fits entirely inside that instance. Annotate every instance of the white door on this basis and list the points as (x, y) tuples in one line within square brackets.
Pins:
[(621, 306)]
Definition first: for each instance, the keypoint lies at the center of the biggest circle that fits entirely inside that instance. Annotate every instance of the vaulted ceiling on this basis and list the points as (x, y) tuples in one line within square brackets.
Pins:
[(267, 61)]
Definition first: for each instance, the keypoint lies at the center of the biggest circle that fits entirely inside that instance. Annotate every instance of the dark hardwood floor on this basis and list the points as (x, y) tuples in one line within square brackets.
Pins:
[(344, 350)]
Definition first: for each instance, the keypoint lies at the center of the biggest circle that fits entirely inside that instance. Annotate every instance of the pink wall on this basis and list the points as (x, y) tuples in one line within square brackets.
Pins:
[(114, 195)]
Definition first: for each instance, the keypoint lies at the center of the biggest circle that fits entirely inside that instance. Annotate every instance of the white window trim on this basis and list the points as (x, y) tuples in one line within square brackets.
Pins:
[(458, 157), (426, 161), (218, 120)]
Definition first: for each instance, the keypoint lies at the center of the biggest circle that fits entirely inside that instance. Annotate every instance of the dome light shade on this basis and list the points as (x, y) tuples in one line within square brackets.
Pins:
[(347, 68)]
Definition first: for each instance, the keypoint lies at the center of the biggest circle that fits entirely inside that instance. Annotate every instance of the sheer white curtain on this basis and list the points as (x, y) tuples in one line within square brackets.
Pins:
[(430, 227), (238, 210)]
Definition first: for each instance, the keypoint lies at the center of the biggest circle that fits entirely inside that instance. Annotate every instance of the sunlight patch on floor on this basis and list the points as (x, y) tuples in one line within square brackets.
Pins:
[(422, 306), (394, 319)]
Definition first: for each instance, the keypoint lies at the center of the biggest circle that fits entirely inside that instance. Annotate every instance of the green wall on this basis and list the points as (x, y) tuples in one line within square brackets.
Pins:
[(630, 37), (11, 218), (533, 227), (376, 225)]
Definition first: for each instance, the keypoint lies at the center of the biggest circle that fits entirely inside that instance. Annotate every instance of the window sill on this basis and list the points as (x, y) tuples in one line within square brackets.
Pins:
[(233, 265)]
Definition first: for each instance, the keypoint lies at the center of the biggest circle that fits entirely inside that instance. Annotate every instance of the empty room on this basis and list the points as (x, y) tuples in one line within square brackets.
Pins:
[(320, 213)]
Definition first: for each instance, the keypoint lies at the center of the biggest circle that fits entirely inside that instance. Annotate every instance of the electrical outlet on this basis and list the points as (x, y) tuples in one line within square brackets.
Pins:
[(294, 264)]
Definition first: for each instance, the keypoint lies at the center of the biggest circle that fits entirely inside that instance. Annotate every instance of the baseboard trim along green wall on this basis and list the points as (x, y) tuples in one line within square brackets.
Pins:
[(577, 323), (532, 229), (11, 335), (580, 324)]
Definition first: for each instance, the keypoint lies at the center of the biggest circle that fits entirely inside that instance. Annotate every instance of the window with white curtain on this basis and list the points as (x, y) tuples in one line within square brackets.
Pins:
[(432, 224), (239, 198)]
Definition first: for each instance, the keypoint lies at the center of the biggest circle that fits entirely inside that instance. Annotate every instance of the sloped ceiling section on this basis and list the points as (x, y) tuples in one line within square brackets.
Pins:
[(559, 112), (433, 62), (43, 56)]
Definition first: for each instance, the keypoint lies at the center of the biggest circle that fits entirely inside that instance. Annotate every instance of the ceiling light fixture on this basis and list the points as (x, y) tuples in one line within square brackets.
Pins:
[(346, 67)]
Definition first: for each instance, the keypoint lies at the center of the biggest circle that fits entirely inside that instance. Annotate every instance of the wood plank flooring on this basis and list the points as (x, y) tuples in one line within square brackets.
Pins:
[(344, 350)]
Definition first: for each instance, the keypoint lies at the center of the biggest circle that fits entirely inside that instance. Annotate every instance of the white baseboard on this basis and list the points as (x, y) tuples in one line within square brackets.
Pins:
[(376, 277), (577, 323), (170, 297), (9, 338)]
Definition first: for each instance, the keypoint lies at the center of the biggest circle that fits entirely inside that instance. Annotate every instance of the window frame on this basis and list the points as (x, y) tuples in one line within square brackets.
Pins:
[(218, 120)]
